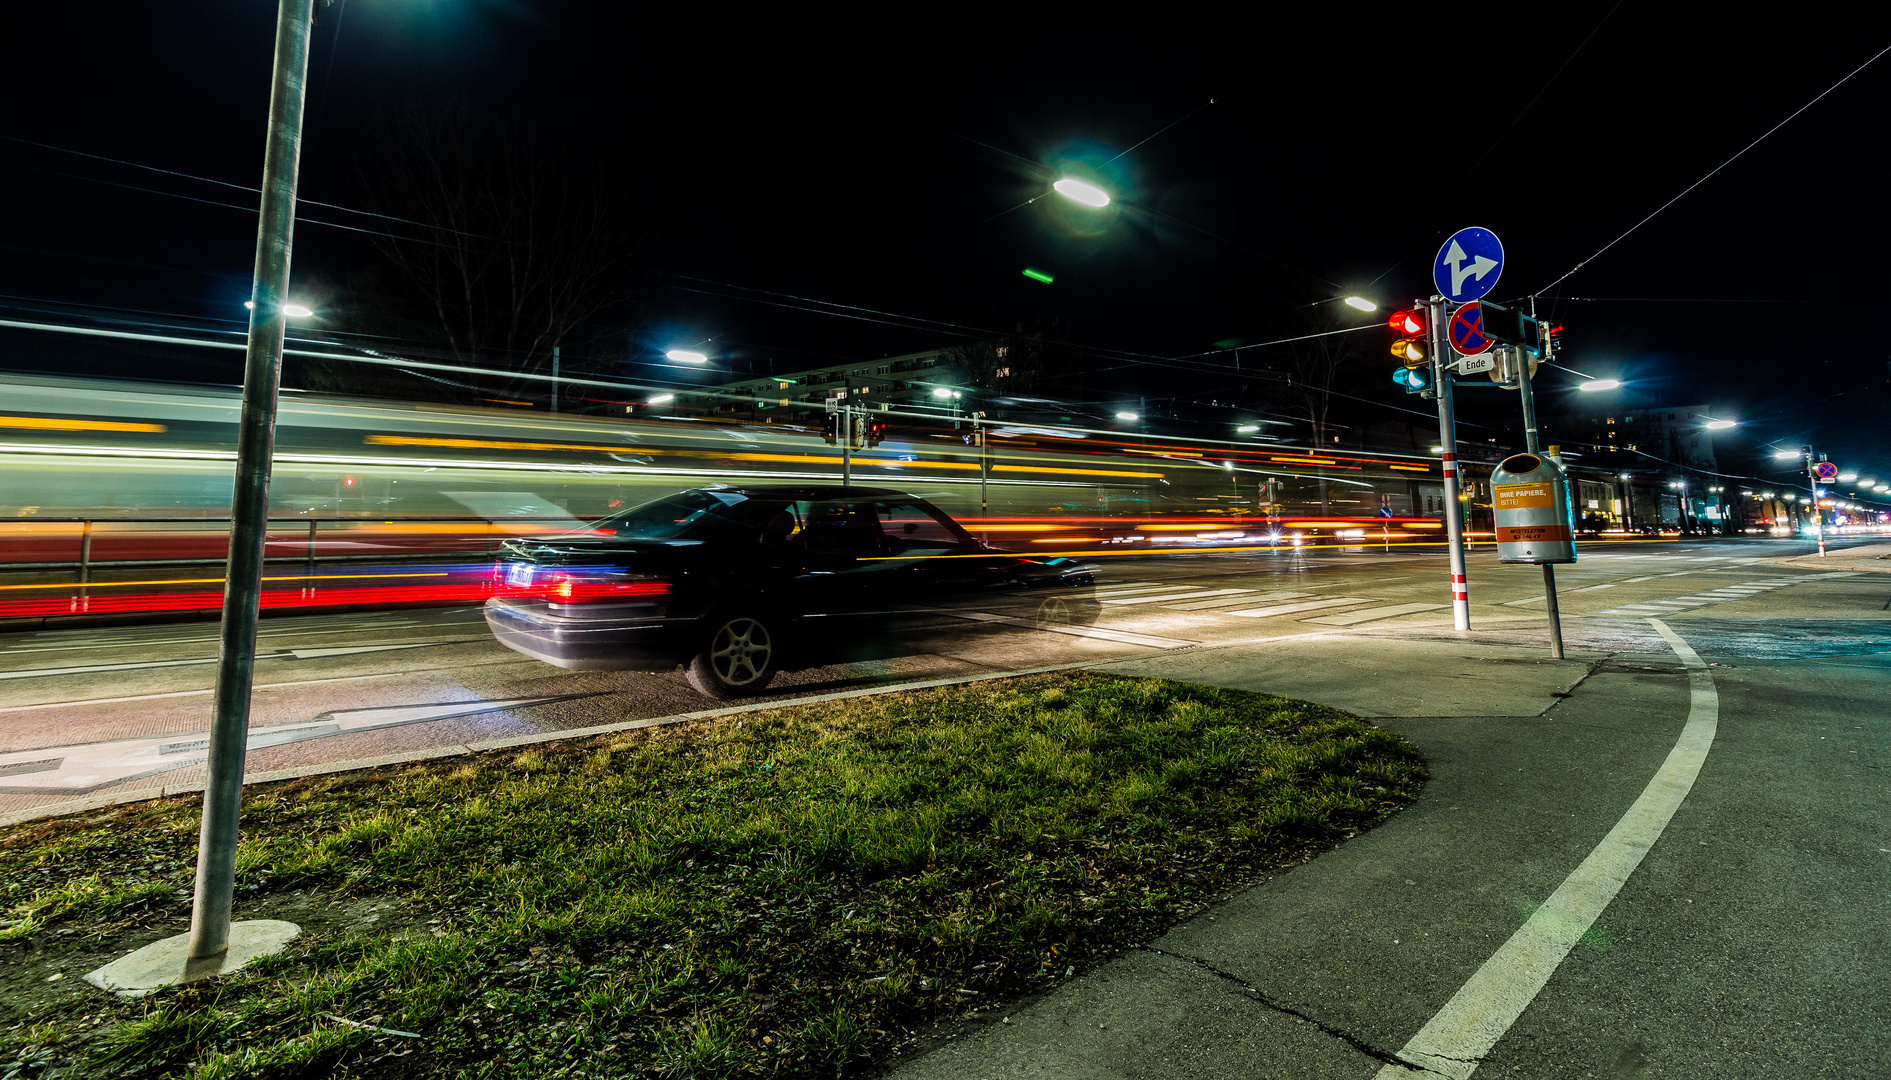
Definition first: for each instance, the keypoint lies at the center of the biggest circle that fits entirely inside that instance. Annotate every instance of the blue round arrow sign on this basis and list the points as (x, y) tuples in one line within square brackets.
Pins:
[(1468, 265)]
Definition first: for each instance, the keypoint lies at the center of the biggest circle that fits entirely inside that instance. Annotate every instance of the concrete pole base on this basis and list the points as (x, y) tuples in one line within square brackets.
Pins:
[(164, 963)]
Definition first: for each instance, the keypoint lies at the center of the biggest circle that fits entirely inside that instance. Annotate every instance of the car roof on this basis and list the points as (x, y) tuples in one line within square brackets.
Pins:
[(810, 491)]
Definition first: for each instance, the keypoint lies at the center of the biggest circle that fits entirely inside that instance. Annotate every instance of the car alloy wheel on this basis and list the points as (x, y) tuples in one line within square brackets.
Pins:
[(738, 659), (1054, 613)]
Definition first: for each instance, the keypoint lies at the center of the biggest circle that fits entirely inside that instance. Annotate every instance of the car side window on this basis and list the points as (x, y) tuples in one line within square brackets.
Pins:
[(912, 529), (837, 528)]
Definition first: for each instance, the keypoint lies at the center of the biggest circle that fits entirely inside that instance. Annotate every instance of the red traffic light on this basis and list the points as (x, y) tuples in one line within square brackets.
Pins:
[(1409, 323)]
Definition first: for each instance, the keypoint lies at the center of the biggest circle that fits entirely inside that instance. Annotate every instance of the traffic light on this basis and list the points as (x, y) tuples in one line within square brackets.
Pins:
[(1510, 326), (1410, 326), (1415, 380), (876, 430), (830, 429), (1552, 340)]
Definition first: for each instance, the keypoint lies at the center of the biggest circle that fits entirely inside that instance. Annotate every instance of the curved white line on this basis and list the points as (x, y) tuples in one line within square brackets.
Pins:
[(1454, 1043)]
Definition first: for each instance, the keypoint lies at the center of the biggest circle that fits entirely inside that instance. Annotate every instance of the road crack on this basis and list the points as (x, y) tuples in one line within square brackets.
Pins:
[(1254, 994)]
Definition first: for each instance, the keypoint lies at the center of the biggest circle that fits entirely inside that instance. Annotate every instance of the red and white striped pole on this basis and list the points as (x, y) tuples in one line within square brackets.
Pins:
[(1448, 440)]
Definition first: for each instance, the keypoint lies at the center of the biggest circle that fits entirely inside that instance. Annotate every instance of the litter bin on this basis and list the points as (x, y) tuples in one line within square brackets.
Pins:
[(1530, 496)]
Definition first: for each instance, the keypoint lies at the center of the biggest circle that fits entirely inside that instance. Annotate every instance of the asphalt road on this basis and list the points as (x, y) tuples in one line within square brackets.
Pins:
[(1750, 938), (87, 712)]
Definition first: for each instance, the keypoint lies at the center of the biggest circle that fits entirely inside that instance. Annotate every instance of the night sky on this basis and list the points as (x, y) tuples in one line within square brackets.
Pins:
[(870, 158)]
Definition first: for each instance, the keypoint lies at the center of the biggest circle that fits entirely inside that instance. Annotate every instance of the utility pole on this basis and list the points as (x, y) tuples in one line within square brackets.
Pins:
[(1532, 444), (1818, 516), (846, 433), (249, 509), (554, 378), (1448, 439)]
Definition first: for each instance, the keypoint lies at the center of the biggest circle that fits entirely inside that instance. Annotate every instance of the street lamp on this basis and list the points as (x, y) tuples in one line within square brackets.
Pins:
[(1247, 429), (1720, 425), (686, 356), (1594, 385), (1361, 303), (294, 311), (661, 399), (1082, 191), (1127, 417), (1785, 455)]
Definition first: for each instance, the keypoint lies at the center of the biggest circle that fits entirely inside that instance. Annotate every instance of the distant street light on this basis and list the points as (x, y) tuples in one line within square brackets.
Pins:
[(1247, 429), (1082, 191), (294, 311), (1361, 303), (662, 399), (942, 392), (1785, 455), (1599, 384), (686, 356), (1126, 416), (1721, 425), (1847, 477)]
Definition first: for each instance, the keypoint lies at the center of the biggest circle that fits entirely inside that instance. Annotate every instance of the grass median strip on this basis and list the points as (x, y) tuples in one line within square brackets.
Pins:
[(788, 892)]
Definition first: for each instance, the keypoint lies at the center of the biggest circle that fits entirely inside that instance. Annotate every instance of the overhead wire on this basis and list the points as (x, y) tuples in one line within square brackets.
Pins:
[(1715, 170)]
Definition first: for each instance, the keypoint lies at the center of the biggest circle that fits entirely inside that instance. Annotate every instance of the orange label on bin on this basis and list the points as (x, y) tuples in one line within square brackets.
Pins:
[(1533, 534), (1523, 496)]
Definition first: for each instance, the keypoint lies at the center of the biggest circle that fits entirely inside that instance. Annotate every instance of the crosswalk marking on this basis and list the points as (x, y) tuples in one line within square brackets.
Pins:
[(1290, 609), (1236, 601), (1351, 618), (1192, 594)]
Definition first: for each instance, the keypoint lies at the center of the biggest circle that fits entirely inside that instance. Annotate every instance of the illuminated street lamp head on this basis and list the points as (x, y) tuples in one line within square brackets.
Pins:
[(1847, 477), (686, 356), (942, 392), (1599, 384), (294, 311), (1361, 303), (1720, 425), (1785, 455), (662, 399), (1247, 429), (1082, 191), (1126, 416)]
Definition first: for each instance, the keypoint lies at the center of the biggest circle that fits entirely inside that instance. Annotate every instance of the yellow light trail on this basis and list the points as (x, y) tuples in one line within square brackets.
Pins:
[(217, 580), (49, 423)]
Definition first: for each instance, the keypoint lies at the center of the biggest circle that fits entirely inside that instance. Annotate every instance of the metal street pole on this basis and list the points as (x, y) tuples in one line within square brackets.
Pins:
[(846, 434), (249, 505), (1818, 516), (554, 378), (1533, 445), (1448, 439)]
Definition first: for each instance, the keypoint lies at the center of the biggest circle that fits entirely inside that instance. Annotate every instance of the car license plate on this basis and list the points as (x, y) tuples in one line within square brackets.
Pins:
[(519, 574)]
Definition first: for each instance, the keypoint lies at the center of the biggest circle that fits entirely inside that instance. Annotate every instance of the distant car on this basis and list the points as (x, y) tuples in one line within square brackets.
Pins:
[(739, 583)]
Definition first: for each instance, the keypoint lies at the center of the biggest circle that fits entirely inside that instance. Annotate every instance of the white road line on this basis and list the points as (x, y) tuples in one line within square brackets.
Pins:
[(1456, 1040), (1196, 595), (1290, 609), (1526, 600), (1593, 588), (1373, 614), (1237, 601)]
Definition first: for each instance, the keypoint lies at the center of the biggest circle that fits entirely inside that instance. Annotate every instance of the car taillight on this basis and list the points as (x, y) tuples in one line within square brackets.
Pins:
[(575, 589)]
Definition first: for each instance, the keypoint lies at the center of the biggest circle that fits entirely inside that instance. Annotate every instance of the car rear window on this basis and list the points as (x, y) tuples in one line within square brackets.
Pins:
[(701, 514)]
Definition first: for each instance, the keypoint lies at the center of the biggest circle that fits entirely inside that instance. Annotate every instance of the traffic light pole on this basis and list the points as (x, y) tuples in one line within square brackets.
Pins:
[(1448, 440), (846, 434), (249, 512), (1533, 445), (1818, 516)]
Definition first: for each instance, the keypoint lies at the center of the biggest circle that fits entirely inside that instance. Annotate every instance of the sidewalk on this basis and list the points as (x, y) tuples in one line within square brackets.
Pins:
[(1328, 968), (1875, 557)]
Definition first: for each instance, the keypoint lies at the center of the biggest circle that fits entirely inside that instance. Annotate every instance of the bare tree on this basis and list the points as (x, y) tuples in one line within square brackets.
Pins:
[(504, 244), (1318, 365)]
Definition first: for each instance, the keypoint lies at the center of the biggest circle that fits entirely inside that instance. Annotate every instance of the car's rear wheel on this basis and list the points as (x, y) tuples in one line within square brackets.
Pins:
[(740, 657)]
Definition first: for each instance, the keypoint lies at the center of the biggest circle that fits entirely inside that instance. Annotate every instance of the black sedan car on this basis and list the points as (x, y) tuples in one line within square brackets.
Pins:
[(738, 583)]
